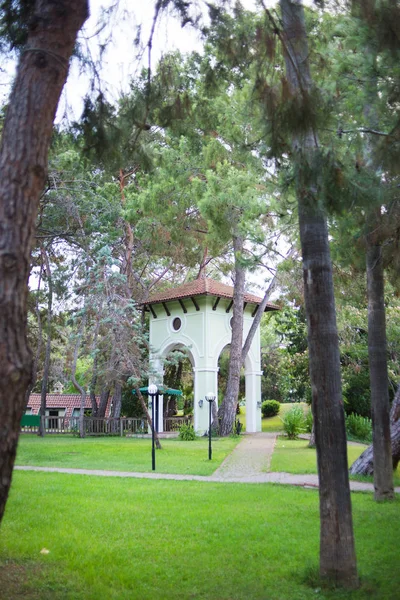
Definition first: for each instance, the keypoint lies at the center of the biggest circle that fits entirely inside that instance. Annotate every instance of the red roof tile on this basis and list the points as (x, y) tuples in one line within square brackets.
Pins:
[(66, 401), (203, 287)]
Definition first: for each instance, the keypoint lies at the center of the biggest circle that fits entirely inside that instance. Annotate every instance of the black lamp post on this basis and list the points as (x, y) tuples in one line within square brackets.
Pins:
[(210, 397), (153, 391)]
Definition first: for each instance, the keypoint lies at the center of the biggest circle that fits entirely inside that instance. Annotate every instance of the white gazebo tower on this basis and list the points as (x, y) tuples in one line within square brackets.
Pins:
[(197, 316)]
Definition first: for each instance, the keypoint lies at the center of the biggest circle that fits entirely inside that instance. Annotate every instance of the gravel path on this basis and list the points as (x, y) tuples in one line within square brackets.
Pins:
[(249, 460), (248, 463)]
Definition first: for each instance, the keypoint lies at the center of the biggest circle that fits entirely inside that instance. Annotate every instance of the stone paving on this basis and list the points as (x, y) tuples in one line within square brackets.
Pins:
[(249, 460), (248, 463)]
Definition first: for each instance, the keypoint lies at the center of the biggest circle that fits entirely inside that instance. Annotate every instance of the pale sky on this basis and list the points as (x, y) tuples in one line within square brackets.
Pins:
[(120, 62)]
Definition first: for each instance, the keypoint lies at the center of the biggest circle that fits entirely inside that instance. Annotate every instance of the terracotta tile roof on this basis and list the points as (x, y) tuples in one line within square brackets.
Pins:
[(67, 401), (203, 287)]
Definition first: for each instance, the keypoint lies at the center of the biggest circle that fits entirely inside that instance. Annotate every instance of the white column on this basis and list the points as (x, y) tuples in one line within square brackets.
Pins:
[(160, 413), (253, 401), (157, 377), (205, 381)]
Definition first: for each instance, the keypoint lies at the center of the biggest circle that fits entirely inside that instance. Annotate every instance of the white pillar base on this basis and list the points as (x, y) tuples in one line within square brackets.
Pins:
[(253, 401)]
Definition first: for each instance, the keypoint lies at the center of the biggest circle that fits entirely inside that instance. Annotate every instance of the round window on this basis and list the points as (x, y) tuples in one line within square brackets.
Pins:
[(176, 324)]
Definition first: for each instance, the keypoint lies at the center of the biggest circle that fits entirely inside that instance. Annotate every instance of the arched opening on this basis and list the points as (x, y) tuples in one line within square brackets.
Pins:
[(174, 369), (223, 366), (178, 374), (249, 400)]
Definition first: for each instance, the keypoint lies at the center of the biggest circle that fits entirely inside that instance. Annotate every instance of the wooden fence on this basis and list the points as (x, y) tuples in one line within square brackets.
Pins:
[(174, 423), (103, 426)]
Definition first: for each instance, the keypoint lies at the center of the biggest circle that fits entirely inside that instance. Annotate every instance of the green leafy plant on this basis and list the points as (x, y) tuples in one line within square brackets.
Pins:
[(359, 428), (187, 433), (270, 408), (293, 422), (308, 421), (237, 428)]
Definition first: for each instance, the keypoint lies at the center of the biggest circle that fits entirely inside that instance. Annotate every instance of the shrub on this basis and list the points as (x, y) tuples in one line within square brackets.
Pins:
[(293, 422), (187, 433), (308, 421), (237, 428), (359, 428), (356, 392), (270, 408)]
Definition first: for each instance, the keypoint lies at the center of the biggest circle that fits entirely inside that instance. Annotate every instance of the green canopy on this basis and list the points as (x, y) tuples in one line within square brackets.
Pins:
[(162, 391)]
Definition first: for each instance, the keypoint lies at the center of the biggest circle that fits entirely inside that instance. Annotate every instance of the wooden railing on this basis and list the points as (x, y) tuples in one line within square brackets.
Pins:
[(134, 426), (174, 423), (104, 426)]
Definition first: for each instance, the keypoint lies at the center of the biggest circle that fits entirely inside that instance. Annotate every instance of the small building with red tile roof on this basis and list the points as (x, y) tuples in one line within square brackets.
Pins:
[(198, 316), (204, 287), (62, 405)]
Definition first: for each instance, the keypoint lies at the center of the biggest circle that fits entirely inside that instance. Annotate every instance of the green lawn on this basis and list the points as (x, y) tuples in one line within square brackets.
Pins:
[(123, 454), (294, 456), (275, 423), (120, 539), (272, 423)]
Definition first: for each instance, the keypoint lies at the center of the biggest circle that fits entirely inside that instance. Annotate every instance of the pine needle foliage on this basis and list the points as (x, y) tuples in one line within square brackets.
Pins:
[(16, 16)]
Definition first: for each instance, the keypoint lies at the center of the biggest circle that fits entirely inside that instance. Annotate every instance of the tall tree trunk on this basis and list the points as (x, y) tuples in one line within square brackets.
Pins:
[(395, 410), (75, 382), (202, 274), (126, 266), (46, 367), (364, 465), (39, 343), (377, 346), (104, 396), (117, 401), (227, 411), (311, 443), (337, 550), (92, 389), (260, 311), (42, 71), (377, 354), (93, 381)]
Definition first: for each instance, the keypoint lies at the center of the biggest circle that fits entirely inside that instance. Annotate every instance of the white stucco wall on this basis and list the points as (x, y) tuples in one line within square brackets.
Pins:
[(205, 333)]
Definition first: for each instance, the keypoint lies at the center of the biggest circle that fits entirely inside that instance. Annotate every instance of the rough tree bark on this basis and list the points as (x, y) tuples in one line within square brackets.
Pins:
[(117, 400), (311, 443), (337, 550), (227, 410), (39, 343), (93, 381), (377, 346), (378, 374), (92, 388), (75, 382), (364, 465), (42, 71), (104, 396), (46, 367)]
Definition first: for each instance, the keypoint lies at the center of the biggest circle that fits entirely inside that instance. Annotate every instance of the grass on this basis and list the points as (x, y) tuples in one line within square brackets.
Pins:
[(275, 423), (272, 423), (123, 454), (118, 539), (294, 456)]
